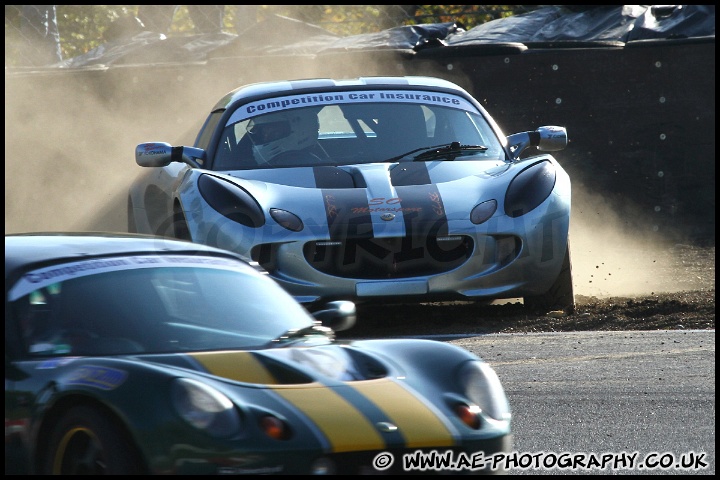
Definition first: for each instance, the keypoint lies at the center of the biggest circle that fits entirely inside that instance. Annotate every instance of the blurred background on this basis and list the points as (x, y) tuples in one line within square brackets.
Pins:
[(77, 29)]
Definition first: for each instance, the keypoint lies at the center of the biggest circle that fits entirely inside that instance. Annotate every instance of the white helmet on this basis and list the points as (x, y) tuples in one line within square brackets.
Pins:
[(276, 133)]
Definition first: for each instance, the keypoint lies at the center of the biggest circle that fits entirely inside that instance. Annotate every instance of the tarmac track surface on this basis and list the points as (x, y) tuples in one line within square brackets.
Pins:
[(608, 393)]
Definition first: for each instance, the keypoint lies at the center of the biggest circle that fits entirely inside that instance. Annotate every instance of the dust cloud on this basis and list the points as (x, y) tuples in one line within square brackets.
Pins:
[(68, 157), (70, 142), (617, 252)]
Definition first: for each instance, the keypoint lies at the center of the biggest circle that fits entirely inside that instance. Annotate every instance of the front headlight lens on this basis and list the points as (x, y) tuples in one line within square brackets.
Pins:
[(529, 189), (231, 201), (205, 408), (482, 387)]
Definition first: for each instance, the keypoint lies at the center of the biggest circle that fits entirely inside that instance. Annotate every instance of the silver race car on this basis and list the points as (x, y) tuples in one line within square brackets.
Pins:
[(393, 189)]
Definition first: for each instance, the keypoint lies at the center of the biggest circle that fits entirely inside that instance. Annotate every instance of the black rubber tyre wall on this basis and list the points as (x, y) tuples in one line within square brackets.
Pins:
[(111, 451), (560, 296)]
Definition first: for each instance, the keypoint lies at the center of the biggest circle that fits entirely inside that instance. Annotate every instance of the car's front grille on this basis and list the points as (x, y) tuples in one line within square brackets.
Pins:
[(382, 258)]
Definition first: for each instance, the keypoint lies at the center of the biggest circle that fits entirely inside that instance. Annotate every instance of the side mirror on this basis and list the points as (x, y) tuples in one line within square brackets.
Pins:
[(339, 315), (161, 154), (549, 138)]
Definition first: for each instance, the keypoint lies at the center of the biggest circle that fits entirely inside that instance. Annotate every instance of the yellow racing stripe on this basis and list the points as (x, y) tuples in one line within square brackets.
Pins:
[(348, 429), (345, 427), (420, 425), (239, 366)]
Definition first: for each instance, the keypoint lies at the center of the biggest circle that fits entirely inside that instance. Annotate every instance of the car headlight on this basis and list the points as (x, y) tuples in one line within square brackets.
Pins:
[(482, 387), (529, 189), (231, 201), (205, 408)]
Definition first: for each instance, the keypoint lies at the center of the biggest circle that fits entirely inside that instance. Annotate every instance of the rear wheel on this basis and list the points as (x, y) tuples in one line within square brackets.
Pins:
[(86, 442), (560, 296)]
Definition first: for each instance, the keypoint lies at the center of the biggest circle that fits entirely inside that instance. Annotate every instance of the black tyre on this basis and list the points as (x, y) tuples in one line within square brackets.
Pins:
[(87, 442), (179, 226), (132, 227), (174, 226), (560, 296)]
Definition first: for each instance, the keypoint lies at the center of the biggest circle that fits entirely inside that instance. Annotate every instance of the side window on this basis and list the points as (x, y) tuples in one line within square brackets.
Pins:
[(333, 123), (240, 129), (430, 121), (203, 139), (234, 150), (38, 321)]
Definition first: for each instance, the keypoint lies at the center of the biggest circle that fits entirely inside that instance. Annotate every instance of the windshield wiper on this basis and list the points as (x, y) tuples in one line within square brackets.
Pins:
[(449, 151), (297, 334)]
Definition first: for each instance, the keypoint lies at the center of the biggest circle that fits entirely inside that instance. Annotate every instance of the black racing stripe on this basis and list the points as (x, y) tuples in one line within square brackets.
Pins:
[(348, 213), (423, 210), (410, 173), (332, 177)]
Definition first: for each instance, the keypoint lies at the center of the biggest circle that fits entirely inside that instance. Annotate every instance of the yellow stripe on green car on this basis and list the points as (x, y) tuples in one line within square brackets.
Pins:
[(348, 429), (345, 427), (238, 366), (420, 425)]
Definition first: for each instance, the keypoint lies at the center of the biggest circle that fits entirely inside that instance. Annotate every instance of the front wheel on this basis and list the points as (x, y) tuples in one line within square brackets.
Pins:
[(560, 296), (86, 442), (174, 226), (180, 226), (132, 226)]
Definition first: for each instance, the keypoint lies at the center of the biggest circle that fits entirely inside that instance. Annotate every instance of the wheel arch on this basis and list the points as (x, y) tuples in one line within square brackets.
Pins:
[(55, 413)]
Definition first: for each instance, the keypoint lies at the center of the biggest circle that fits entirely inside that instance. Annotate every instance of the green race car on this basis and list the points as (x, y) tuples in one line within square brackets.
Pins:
[(130, 354)]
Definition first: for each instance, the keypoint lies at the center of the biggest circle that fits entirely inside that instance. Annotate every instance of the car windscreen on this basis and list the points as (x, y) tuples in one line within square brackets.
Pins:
[(150, 304), (351, 128)]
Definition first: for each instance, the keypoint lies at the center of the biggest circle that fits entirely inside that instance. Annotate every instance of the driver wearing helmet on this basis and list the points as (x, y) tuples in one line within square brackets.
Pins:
[(286, 137)]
